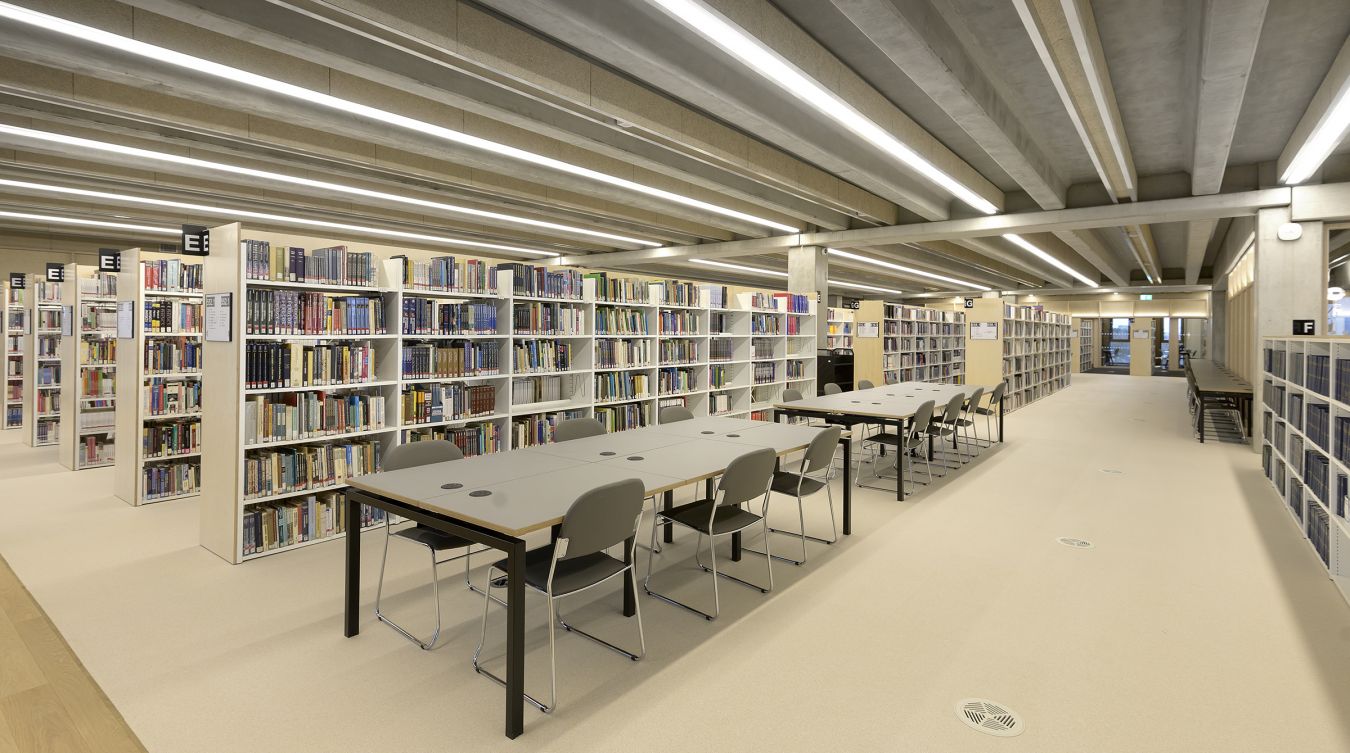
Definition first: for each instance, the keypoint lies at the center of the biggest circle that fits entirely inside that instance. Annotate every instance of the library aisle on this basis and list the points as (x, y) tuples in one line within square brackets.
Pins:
[(1197, 622)]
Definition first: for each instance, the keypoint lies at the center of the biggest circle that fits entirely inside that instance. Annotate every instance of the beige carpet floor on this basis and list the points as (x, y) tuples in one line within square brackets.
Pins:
[(1199, 621)]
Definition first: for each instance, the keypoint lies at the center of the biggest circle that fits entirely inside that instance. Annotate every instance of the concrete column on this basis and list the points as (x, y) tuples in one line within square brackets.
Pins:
[(1173, 342), (808, 275)]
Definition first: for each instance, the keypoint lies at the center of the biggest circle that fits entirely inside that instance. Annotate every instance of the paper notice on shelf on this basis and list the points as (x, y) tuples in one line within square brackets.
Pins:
[(1143, 334), (869, 329), (126, 320), (984, 330), (218, 316), (67, 321)]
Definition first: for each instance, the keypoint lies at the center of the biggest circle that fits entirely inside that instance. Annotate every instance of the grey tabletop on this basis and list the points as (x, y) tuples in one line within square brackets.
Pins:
[(694, 460), (899, 400), (1211, 377), (414, 485)]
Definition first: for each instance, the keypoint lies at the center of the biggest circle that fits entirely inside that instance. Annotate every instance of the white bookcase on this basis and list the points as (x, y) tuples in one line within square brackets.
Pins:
[(1305, 441), (159, 374), (42, 374), (16, 332), (457, 359), (1083, 344), (839, 327), (89, 366)]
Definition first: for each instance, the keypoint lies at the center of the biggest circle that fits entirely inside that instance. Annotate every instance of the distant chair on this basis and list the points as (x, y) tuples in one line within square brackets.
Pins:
[(945, 425), (833, 389), (995, 400), (411, 455), (672, 413), (967, 419), (811, 477), (577, 428), (865, 384)]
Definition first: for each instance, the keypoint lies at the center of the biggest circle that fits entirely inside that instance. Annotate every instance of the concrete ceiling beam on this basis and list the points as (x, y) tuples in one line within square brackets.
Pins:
[(1198, 234), (1096, 253), (1228, 35)]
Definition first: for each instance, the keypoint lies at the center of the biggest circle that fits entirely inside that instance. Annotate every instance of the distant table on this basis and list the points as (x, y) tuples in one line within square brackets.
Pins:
[(890, 404), (1215, 386), (499, 498)]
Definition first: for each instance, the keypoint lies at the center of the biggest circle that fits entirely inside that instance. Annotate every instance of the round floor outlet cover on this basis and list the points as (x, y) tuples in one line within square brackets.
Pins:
[(1075, 543), (1112, 471), (989, 717)]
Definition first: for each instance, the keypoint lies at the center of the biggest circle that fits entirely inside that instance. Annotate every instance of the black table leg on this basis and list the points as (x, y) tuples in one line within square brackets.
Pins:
[(899, 465), (515, 639), (668, 529), (629, 581), (848, 486), (352, 594), (1000, 420), (1202, 419), (736, 547)]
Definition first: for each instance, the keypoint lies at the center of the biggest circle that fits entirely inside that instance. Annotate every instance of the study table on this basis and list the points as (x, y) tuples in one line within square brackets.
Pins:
[(499, 498), (890, 404), (1213, 385)]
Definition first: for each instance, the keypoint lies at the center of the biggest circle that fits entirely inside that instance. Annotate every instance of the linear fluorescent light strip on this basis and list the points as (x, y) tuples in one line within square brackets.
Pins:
[(283, 219), (1023, 243), (131, 151), (1324, 138), (906, 270), (715, 27), (236, 75), (90, 223), (776, 273)]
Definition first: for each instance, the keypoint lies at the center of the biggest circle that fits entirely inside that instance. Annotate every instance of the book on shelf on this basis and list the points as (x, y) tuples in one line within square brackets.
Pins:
[(543, 282), (449, 274), (310, 415), (171, 275), (425, 316), (453, 359), (279, 365), (321, 266), (293, 312)]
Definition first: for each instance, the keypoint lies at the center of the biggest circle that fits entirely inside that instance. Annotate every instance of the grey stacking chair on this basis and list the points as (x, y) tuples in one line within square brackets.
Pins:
[(577, 428), (995, 400), (411, 455), (967, 420), (914, 438), (944, 425), (746, 478), (811, 477), (832, 389), (865, 384), (601, 518), (672, 413)]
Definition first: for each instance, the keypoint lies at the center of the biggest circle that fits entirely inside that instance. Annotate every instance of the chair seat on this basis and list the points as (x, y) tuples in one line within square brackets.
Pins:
[(571, 575), (785, 482), (438, 541), (887, 438), (987, 411), (725, 520)]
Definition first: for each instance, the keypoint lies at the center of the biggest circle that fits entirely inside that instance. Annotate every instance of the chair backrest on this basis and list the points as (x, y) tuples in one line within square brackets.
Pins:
[(975, 398), (832, 389), (922, 418), (865, 384), (821, 450), (747, 477), (577, 428), (602, 517), (672, 413), (791, 396), (425, 452), (953, 409), (996, 396)]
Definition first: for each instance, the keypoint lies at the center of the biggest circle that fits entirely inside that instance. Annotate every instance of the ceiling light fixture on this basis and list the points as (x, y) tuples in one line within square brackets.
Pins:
[(906, 270), (1325, 136), (89, 223), (200, 66), (733, 40), (280, 218), (1023, 243), (131, 151), (776, 273)]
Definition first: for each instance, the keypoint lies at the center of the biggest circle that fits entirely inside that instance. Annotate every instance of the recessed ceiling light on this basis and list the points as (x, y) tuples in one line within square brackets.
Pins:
[(278, 218), (201, 164), (906, 270), (201, 66), (90, 223), (1324, 138), (1047, 258), (733, 40)]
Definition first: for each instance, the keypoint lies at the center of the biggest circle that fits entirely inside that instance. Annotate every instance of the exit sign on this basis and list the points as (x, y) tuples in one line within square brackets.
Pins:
[(1145, 296)]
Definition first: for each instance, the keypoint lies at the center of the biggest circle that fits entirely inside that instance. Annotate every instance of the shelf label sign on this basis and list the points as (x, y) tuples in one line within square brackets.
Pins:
[(18, 280), (1304, 327), (196, 240), (56, 272), (969, 303), (126, 320), (109, 260), (218, 317)]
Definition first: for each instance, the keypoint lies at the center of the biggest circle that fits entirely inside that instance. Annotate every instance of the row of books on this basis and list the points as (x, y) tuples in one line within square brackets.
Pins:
[(541, 389), (170, 438), (676, 293), (98, 351), (277, 525), (765, 324), (49, 319), (95, 318), (618, 289), (720, 376), (447, 402), (457, 359), (924, 328), (47, 345), (536, 318), (171, 276), (278, 365), (449, 274), (99, 284), (46, 292), (793, 303), (173, 316), (97, 421), (676, 380), (679, 322), (299, 468), (537, 428), (796, 370), (1318, 526), (94, 383), (94, 450), (762, 348), (719, 403), (426, 316), (721, 349), (765, 373), (1319, 374), (530, 356), (1318, 424), (1343, 380), (678, 351), (171, 479), (622, 385), (612, 320), (164, 398), (622, 354), (762, 301), (1315, 472), (293, 312), (322, 266), (310, 415), (47, 375), (1342, 441), (622, 417), (543, 282), (472, 440), (171, 356)]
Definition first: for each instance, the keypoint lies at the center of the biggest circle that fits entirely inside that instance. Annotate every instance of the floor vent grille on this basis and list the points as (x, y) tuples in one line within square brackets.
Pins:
[(1075, 543), (989, 717)]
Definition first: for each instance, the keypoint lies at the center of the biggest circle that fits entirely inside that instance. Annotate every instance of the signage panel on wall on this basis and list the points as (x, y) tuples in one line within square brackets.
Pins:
[(196, 240)]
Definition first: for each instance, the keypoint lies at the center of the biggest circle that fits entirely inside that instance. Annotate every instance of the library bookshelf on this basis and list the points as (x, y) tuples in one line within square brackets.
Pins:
[(42, 372), (159, 374), (914, 344), (1305, 442), (1031, 350), (16, 332), (1082, 343), (89, 367), (839, 327), (490, 358)]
